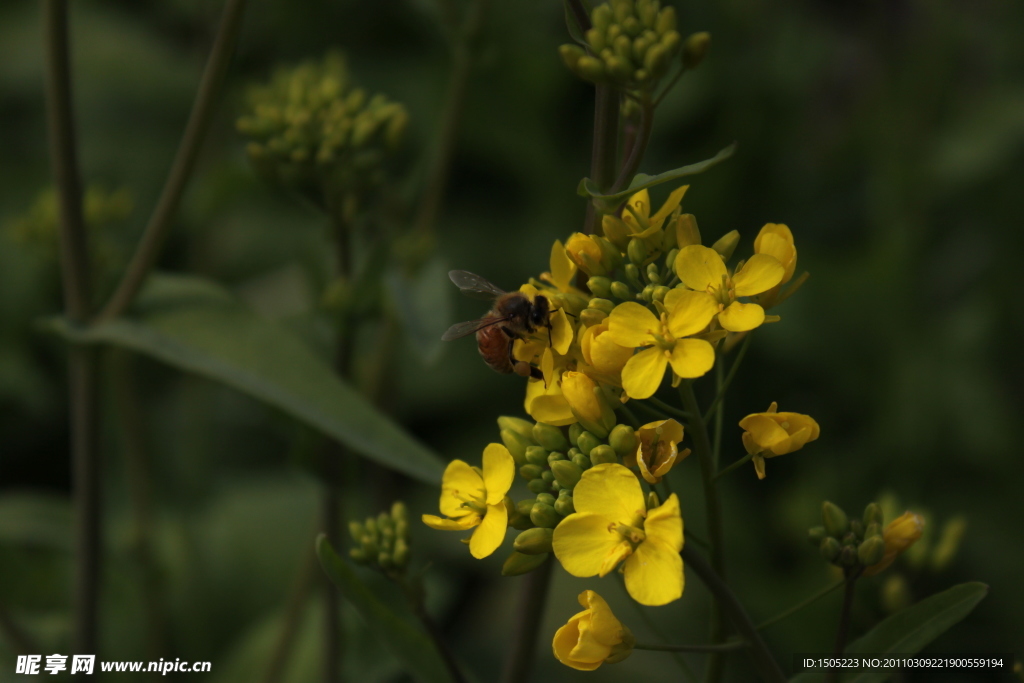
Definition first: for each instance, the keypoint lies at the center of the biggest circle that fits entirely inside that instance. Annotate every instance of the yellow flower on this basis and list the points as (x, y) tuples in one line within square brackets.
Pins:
[(637, 220), (563, 271), (612, 524), (657, 450), (634, 326), (899, 534), (593, 636), (702, 269), (586, 253), (603, 354), (776, 240), (471, 497), (772, 433), (590, 410)]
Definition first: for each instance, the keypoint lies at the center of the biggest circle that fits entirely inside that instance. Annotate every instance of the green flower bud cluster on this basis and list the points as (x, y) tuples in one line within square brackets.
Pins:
[(631, 44), (311, 130), (100, 210), (552, 460), (382, 541), (649, 273), (849, 543)]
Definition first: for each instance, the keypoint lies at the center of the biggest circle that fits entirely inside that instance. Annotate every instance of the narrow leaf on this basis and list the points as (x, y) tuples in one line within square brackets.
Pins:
[(409, 644), (196, 326), (910, 630), (572, 25), (423, 303), (641, 181)]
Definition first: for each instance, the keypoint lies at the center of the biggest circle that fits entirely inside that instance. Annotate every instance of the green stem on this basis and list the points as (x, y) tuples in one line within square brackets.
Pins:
[(668, 408), (530, 611), (762, 657), (630, 416), (298, 599), (722, 647), (605, 148), (82, 362), (636, 153), (671, 84), (832, 675), (720, 396), (451, 120), (736, 465), (800, 605), (719, 413), (688, 673), (653, 412), (442, 647), (694, 538), (199, 121), (702, 446)]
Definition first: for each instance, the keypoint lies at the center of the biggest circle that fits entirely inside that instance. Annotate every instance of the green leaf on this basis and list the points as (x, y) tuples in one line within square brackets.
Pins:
[(408, 643), (908, 631), (196, 326), (641, 181), (423, 302), (572, 25)]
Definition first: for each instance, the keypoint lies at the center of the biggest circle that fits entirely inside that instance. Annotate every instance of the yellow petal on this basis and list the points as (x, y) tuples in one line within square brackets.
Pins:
[(631, 325), (692, 358), (764, 431), (642, 374), (759, 274), (578, 390), (617, 554), (499, 471), (582, 541), (759, 466), (605, 355), (779, 247), (665, 524), (567, 639), (491, 532), (654, 574), (739, 317), (779, 230), (604, 626), (670, 205), (443, 524), (640, 203), (459, 482), (612, 491), (899, 534), (561, 332), (551, 409), (700, 267), (644, 471), (689, 312), (563, 270)]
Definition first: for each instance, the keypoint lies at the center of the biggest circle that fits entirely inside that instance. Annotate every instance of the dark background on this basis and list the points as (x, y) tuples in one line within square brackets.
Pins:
[(888, 135)]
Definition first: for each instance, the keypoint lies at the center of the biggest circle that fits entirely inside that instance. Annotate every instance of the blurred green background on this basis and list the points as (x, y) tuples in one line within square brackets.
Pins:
[(888, 135)]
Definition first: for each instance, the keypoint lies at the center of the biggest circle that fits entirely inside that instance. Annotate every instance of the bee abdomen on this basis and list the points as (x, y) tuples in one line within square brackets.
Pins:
[(492, 342)]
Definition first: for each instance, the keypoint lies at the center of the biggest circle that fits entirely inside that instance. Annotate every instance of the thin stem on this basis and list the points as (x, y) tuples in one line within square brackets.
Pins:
[(736, 465), (442, 647), (533, 599), (759, 652), (693, 538), (702, 446), (722, 647), (82, 362), (199, 120), (653, 412), (630, 416), (668, 408), (800, 605), (728, 378), (688, 673), (298, 599), (636, 153), (671, 84), (844, 624), (719, 412), (605, 148), (451, 119)]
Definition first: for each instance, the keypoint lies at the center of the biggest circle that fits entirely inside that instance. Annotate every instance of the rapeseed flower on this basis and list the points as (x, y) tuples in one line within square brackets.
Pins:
[(657, 449), (472, 497), (612, 524), (899, 534), (772, 433), (661, 341), (593, 636)]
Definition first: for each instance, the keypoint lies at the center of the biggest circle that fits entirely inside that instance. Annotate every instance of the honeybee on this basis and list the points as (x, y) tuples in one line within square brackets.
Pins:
[(512, 316)]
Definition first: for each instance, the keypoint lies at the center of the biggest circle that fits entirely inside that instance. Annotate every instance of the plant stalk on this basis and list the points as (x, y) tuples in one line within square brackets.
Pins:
[(736, 465), (198, 125), (720, 395), (639, 146), (800, 605), (529, 613), (439, 642), (604, 153), (832, 674), (82, 361), (759, 652), (721, 647)]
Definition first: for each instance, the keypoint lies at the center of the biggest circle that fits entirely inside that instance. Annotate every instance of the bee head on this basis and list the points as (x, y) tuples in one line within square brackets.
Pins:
[(539, 313)]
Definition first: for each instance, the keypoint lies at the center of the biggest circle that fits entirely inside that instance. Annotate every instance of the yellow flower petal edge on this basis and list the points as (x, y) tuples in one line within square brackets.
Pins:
[(593, 636)]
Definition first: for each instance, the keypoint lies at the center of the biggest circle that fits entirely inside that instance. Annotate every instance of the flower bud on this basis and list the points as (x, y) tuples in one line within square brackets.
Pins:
[(592, 316), (836, 522), (899, 534), (355, 530), (615, 231), (533, 541), (600, 286), (895, 594), (652, 500), (550, 437), (554, 456), (566, 473), (623, 439), (564, 505), (400, 554), (873, 530), (574, 433), (547, 477), (538, 485), (585, 403), (605, 305), (587, 442), (620, 290), (687, 233), (517, 424), (544, 515), (530, 472), (633, 276), (399, 512), (570, 55), (545, 498), (518, 563), (848, 556), (816, 535), (516, 445), (857, 528), (830, 548), (653, 274), (660, 292), (726, 244), (637, 251), (666, 21), (536, 455), (582, 461), (696, 48), (603, 454), (591, 69), (586, 253), (872, 515), (611, 258), (871, 551)]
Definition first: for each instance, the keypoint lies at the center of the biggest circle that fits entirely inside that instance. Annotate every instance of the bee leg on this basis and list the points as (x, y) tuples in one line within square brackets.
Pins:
[(521, 368)]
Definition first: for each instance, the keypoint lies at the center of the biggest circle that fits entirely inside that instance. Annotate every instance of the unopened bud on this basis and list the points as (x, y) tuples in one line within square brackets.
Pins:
[(571, 54), (623, 439), (872, 515), (637, 252), (652, 500), (872, 530), (835, 520), (895, 593), (516, 445), (603, 454), (871, 551), (545, 498), (591, 69), (400, 555), (949, 543), (399, 512), (830, 548), (816, 535), (599, 304), (536, 455), (547, 477), (620, 290), (564, 505), (551, 438), (696, 48), (633, 276), (518, 563), (544, 515), (653, 274), (857, 528), (566, 473), (538, 485), (533, 541), (687, 232), (582, 461), (530, 472), (555, 456), (592, 316), (848, 556), (355, 530), (666, 20), (574, 433), (726, 244), (522, 427), (587, 442), (600, 286)]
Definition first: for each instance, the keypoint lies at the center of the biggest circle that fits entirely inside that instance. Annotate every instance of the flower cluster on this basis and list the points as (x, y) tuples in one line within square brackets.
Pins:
[(382, 541), (312, 131), (862, 545)]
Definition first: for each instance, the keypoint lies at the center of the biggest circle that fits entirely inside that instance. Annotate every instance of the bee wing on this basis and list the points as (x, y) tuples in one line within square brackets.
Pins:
[(469, 327), (474, 286)]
